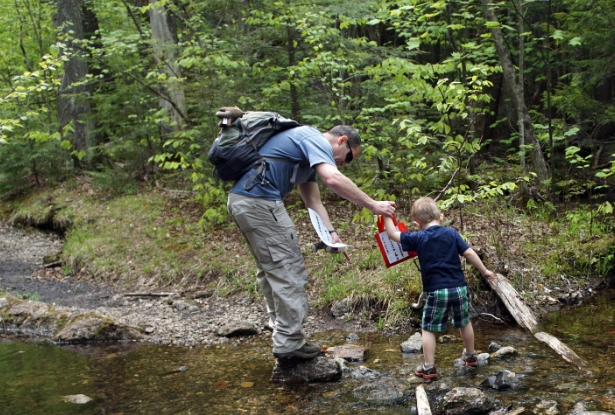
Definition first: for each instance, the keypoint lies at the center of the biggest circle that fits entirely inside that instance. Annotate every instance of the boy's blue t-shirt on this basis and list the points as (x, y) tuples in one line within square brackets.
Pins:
[(438, 249), (304, 144)]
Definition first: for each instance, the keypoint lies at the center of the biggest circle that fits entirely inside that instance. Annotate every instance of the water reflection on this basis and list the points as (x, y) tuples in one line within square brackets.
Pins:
[(138, 379)]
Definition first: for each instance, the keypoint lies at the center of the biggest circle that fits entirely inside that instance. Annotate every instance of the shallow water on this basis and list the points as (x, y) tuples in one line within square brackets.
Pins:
[(144, 379)]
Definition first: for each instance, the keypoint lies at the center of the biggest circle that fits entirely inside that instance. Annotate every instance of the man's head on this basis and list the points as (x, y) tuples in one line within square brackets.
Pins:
[(346, 143), (424, 211)]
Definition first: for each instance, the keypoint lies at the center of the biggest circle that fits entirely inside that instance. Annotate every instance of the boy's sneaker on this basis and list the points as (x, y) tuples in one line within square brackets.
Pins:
[(471, 359), (428, 374), (307, 351)]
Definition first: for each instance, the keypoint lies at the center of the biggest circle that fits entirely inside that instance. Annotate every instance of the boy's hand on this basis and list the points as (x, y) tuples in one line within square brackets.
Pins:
[(392, 231), (488, 274)]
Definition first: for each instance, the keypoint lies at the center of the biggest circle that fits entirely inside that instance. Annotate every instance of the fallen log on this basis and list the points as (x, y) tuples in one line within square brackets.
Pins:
[(564, 351), (513, 302), (422, 404), (526, 319)]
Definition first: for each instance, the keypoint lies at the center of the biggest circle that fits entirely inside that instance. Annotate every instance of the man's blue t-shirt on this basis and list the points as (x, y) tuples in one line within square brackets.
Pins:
[(305, 145), (438, 249)]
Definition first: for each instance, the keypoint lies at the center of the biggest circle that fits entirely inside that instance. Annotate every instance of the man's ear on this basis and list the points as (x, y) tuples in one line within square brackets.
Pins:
[(342, 139), (418, 225)]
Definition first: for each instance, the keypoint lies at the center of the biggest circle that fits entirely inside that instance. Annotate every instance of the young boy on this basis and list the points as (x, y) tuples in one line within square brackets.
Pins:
[(438, 249)]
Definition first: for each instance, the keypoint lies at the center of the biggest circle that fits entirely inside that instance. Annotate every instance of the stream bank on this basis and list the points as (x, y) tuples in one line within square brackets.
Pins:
[(29, 272), (165, 316)]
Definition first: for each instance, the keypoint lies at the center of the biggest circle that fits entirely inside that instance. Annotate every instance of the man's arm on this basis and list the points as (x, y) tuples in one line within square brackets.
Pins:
[(345, 187), (310, 194), (392, 231), (472, 257)]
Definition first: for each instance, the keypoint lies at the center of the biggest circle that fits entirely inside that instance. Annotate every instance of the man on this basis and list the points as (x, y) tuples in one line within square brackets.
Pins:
[(294, 157)]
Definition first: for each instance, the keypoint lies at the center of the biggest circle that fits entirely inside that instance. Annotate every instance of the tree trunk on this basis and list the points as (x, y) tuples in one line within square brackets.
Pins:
[(521, 83), (164, 42), (73, 107), (538, 162)]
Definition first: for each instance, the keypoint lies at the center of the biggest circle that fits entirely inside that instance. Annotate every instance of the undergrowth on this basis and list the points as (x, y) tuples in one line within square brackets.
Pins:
[(156, 238)]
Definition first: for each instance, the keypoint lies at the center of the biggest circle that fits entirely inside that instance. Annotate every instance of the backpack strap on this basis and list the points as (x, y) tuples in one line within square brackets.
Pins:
[(261, 168)]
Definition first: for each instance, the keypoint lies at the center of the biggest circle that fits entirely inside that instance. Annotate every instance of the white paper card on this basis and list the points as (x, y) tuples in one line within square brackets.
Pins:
[(392, 249), (322, 231)]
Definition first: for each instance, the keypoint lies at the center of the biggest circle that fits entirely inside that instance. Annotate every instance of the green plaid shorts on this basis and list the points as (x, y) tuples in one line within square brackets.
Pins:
[(438, 305)]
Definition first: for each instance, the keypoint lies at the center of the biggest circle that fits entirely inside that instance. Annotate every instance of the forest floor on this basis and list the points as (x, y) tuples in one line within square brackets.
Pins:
[(212, 278)]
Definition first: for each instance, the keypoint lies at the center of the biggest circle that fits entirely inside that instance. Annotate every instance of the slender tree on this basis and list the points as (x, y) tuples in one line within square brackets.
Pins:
[(164, 41), (539, 164)]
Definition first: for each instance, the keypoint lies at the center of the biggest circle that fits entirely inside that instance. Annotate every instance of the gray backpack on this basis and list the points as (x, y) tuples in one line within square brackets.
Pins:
[(235, 150)]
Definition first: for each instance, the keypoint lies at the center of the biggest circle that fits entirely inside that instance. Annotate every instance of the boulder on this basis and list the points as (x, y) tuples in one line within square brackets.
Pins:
[(236, 329), (202, 294), (414, 344), (466, 401), (342, 363), (579, 409), (503, 353), (383, 391), (96, 328), (503, 380), (28, 308), (78, 399), (341, 308), (494, 347), (546, 408), (319, 369), (180, 305), (348, 352), (364, 373)]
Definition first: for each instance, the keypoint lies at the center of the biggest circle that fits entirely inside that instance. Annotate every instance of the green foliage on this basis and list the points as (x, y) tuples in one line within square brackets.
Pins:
[(418, 79)]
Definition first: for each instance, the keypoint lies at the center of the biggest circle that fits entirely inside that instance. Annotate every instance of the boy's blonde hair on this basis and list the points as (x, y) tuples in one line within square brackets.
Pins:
[(425, 210)]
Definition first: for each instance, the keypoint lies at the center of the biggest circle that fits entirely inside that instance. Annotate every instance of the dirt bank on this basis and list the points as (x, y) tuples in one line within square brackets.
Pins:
[(165, 316)]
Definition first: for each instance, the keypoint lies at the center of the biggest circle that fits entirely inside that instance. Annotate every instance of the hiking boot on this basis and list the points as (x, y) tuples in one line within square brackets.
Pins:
[(471, 359), (305, 352), (428, 374)]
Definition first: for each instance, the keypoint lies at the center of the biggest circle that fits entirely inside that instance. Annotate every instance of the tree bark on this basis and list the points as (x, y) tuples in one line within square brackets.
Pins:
[(164, 42), (539, 164), (73, 106)]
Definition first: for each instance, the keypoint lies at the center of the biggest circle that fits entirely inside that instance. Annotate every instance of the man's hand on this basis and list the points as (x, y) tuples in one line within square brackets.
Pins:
[(386, 208)]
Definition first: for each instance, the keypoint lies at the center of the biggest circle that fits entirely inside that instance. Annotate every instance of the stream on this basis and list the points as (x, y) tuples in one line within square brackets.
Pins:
[(134, 378)]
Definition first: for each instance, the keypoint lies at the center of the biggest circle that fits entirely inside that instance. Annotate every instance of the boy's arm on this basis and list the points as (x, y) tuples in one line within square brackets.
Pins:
[(392, 231), (472, 258)]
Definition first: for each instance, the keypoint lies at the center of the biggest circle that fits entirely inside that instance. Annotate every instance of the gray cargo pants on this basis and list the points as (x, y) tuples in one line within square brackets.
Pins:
[(272, 239)]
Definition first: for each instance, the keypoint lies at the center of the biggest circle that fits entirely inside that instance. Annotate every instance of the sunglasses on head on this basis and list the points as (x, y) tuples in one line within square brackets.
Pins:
[(349, 156)]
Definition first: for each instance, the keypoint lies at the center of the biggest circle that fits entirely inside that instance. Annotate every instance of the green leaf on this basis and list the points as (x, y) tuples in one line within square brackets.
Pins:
[(575, 41), (413, 43)]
